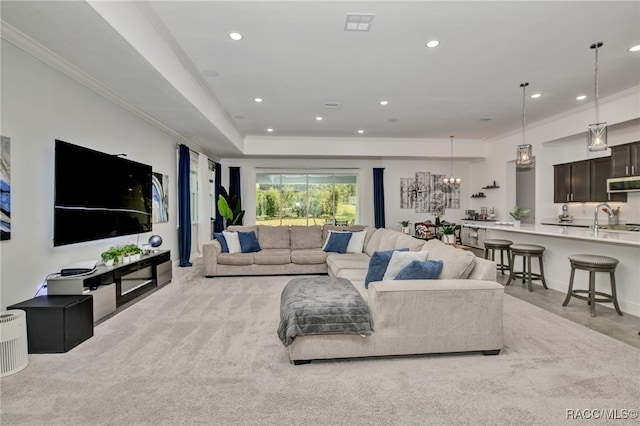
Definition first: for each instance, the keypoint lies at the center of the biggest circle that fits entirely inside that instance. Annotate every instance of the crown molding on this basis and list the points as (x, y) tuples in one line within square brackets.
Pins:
[(37, 50)]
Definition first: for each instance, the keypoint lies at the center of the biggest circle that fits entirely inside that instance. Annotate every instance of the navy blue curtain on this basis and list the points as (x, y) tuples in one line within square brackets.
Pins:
[(378, 197), (184, 206), (219, 224), (234, 186)]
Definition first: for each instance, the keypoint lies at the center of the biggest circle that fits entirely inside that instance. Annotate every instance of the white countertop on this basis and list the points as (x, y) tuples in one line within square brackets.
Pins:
[(611, 237)]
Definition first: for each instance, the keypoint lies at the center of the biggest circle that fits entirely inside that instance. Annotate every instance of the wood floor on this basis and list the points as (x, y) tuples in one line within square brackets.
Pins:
[(623, 328)]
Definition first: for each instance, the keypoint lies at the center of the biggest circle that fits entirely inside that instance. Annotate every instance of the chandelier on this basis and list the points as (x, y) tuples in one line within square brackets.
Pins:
[(451, 181), (597, 135), (524, 156)]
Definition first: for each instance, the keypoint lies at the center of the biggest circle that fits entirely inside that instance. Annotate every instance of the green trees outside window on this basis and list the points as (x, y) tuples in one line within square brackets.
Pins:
[(305, 199)]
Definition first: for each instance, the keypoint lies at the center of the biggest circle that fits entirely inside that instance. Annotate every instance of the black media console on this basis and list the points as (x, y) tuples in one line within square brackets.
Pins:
[(113, 287)]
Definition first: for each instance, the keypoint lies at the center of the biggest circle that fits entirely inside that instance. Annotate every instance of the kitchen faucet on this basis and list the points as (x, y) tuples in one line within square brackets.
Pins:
[(595, 214)]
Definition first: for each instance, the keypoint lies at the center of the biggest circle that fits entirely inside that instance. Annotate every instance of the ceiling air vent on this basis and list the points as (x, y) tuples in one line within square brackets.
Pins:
[(331, 104), (359, 21)]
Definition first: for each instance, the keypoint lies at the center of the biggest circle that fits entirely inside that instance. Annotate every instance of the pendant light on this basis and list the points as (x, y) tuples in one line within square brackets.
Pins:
[(451, 181), (524, 156), (597, 135)]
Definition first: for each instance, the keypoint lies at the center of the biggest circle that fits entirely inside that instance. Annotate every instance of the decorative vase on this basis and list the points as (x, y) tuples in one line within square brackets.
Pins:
[(126, 259), (405, 229), (108, 262), (437, 221), (516, 223), (448, 238)]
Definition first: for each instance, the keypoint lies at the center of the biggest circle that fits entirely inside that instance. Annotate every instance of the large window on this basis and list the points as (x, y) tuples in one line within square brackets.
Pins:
[(306, 199)]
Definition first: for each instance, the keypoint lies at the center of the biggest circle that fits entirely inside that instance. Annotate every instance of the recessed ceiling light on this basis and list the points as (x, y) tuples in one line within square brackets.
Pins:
[(258, 100), (384, 103), (635, 48), (235, 36), (269, 130), (432, 43), (318, 118), (536, 95), (361, 131), (581, 97)]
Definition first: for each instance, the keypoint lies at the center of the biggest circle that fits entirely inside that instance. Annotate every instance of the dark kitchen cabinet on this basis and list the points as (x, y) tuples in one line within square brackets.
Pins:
[(572, 182), (625, 160), (600, 172), (584, 181)]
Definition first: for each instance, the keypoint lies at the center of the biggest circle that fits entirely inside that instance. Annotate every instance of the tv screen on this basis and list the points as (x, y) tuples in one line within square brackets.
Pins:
[(98, 195)]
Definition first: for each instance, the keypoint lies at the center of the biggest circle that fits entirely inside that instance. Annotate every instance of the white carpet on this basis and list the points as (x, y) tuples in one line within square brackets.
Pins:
[(205, 351)]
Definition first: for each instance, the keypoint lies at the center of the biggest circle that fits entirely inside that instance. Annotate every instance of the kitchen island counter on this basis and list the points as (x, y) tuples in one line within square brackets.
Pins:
[(562, 241)]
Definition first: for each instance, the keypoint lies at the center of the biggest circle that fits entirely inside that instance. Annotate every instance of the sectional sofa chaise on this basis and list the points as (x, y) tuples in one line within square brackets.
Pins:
[(459, 312)]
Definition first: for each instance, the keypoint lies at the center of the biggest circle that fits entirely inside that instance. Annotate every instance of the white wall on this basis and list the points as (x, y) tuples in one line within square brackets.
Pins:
[(39, 105)]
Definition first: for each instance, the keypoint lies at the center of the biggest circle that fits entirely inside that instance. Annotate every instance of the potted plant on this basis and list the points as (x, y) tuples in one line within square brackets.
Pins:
[(518, 214), (230, 208), (448, 236), (405, 226), (110, 256), (132, 251)]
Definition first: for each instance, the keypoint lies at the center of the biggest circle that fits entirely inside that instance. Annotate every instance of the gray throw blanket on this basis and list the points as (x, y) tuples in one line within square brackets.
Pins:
[(322, 305)]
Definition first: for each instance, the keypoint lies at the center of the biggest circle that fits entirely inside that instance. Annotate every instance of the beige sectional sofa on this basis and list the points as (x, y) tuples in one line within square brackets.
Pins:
[(459, 312)]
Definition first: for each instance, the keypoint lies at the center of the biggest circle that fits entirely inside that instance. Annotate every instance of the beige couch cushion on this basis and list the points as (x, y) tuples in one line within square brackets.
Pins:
[(312, 256), (272, 257), (457, 263), (306, 237), (274, 237), (338, 262), (382, 239), (235, 258), (407, 241), (243, 228)]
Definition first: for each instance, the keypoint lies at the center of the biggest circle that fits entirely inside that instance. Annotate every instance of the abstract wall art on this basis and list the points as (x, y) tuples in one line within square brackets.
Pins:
[(5, 188), (160, 196), (425, 193)]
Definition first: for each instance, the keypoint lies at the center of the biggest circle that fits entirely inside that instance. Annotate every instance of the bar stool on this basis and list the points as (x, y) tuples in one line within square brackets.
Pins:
[(527, 251), (593, 263), (502, 245)]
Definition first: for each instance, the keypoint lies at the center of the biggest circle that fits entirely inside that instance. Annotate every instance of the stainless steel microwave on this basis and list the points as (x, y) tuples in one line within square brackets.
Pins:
[(624, 184)]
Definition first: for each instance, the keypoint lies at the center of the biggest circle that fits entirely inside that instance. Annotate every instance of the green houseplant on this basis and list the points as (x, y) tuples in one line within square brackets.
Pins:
[(110, 256), (448, 234), (405, 226), (518, 214), (230, 208)]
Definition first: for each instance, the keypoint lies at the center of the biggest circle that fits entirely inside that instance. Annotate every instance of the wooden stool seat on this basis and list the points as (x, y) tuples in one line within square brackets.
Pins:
[(593, 263), (527, 251), (502, 245)]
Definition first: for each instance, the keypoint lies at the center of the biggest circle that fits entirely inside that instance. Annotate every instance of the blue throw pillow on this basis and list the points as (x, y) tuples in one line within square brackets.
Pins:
[(248, 242), (338, 242), (418, 270), (223, 242), (378, 265)]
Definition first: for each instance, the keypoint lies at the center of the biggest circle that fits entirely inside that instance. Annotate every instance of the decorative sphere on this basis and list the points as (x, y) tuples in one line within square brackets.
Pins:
[(155, 240)]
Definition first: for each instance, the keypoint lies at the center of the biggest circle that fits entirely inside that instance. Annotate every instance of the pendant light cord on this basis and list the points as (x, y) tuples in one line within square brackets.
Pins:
[(451, 158), (524, 88), (596, 84)]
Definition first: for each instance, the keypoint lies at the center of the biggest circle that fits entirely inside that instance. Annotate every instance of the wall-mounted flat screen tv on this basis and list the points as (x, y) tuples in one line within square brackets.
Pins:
[(98, 195)]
